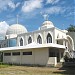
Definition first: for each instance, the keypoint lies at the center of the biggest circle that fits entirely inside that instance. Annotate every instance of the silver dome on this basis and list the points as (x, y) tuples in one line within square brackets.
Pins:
[(16, 29)]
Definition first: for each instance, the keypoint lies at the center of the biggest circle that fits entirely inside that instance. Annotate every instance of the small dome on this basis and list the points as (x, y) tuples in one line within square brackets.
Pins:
[(46, 24), (65, 31), (16, 29)]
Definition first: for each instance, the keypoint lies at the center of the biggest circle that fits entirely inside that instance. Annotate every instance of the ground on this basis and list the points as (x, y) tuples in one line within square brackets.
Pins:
[(25, 70)]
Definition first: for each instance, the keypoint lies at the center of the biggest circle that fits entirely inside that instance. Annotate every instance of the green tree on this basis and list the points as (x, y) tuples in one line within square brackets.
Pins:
[(71, 28)]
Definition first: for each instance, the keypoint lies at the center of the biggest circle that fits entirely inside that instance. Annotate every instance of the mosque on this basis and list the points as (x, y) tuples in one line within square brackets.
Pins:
[(46, 46)]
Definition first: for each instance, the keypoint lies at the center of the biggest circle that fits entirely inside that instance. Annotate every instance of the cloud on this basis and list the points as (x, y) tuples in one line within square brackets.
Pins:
[(70, 14), (18, 4), (52, 1), (46, 7), (3, 27), (54, 10), (11, 4), (4, 4), (31, 5)]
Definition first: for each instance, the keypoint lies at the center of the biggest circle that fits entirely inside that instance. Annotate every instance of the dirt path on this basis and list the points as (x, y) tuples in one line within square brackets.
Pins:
[(23, 70)]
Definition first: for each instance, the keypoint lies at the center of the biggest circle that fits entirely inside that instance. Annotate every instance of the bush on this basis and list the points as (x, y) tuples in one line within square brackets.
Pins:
[(66, 58), (69, 59)]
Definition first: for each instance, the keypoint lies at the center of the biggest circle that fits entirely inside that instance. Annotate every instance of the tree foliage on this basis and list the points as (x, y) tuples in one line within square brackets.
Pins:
[(71, 28)]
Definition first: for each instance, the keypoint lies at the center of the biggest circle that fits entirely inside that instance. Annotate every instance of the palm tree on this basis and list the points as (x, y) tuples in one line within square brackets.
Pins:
[(71, 28)]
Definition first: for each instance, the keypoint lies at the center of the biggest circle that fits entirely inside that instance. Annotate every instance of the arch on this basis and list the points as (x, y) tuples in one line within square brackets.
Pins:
[(21, 42), (71, 41), (39, 39), (49, 38), (29, 40)]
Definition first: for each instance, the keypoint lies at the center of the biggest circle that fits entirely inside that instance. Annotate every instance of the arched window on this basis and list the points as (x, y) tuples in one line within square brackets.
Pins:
[(39, 40), (21, 42), (29, 40), (49, 38)]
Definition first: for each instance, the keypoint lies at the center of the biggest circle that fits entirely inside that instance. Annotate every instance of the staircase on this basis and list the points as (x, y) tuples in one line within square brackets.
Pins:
[(59, 65), (69, 51)]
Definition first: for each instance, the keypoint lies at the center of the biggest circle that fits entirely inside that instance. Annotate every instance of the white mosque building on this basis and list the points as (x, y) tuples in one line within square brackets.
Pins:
[(46, 46)]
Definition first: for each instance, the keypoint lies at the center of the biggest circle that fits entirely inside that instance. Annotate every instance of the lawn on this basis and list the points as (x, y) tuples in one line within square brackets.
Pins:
[(25, 70)]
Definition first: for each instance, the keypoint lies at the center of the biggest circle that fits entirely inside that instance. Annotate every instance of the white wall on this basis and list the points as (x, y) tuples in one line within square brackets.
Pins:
[(27, 59), (60, 33), (43, 33), (34, 35), (52, 60), (11, 59), (39, 57)]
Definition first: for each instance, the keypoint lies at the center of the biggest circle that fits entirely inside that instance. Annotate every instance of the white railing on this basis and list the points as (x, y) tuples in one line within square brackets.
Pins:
[(70, 50)]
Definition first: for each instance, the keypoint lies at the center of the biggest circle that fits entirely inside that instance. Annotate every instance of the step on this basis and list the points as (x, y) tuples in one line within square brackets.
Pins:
[(59, 64)]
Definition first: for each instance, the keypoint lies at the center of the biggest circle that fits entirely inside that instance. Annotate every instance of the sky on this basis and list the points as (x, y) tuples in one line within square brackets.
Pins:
[(31, 13)]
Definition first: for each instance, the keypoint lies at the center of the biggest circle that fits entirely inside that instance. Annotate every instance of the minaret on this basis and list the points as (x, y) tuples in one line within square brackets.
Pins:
[(17, 18)]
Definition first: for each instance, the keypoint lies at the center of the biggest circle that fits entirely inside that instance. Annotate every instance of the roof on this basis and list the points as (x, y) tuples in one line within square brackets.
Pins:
[(16, 29), (46, 24), (33, 45), (61, 39)]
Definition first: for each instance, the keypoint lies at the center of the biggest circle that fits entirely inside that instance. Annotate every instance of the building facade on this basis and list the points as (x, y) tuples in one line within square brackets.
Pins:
[(46, 46)]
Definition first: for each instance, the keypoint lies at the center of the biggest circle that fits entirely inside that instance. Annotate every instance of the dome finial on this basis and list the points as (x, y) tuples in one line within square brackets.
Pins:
[(46, 17), (17, 18)]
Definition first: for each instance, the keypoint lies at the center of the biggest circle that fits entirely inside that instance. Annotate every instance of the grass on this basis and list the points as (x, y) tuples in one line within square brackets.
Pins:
[(25, 70), (3, 65)]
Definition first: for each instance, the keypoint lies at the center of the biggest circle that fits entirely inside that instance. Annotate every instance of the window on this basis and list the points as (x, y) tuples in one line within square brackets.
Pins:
[(21, 42), (49, 38), (27, 53), (16, 53), (12, 42), (0, 46), (7, 54), (39, 40), (57, 42), (29, 40)]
